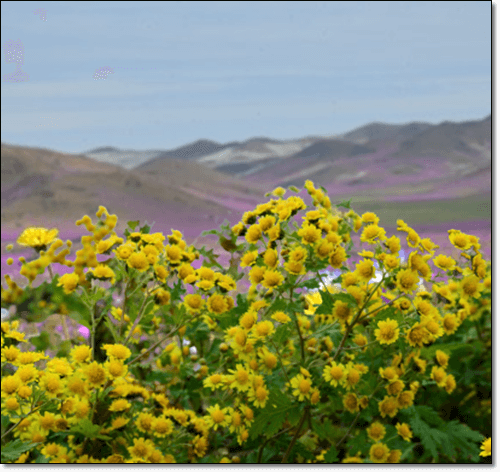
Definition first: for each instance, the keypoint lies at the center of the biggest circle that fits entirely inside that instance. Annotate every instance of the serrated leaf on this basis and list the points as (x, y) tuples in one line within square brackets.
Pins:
[(331, 456), (133, 224), (13, 449), (87, 428), (310, 284), (272, 417), (452, 438), (282, 333)]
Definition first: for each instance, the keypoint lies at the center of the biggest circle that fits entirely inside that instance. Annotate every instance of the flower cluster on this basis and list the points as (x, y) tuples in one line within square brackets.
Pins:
[(186, 367)]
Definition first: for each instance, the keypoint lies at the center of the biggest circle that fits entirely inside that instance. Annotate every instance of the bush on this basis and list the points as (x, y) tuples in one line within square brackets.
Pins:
[(297, 368)]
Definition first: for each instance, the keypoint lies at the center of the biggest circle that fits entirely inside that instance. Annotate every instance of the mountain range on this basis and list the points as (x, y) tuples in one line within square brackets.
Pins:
[(434, 177)]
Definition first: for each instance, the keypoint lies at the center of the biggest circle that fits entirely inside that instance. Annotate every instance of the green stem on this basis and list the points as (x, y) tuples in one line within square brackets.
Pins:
[(261, 449), (296, 436), (281, 363), (357, 416)]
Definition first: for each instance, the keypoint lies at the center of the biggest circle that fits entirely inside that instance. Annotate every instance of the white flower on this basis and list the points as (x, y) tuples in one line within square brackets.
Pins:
[(5, 314)]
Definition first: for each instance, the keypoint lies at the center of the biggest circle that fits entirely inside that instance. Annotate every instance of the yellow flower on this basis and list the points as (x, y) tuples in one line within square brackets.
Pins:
[(444, 262), (486, 448), (387, 332), (47, 421), (193, 302), (371, 233), (438, 374), (217, 417), (59, 366), (118, 351), (301, 386), (95, 374), (81, 354), (37, 237), (353, 376), (335, 374), (119, 422), (248, 319), (294, 268), (394, 457), (271, 258), (298, 254), (272, 279), (450, 383), (351, 402), (249, 258), (395, 387), (256, 274), (103, 272), (352, 460), (404, 431), (281, 317), (263, 329), (69, 282), (379, 453), (52, 450), (116, 368), (459, 239), (120, 405), (310, 234), (217, 304), (405, 399), (407, 280), (388, 407), (162, 426), (141, 449), (241, 378), (442, 358), (470, 287), (253, 234), (52, 385), (258, 396), (417, 335), (214, 381), (268, 359), (27, 373), (376, 431)]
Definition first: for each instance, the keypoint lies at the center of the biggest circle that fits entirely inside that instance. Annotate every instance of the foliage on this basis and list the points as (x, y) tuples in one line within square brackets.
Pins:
[(187, 369)]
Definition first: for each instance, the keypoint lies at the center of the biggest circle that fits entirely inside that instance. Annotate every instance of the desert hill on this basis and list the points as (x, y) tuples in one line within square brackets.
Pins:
[(55, 189)]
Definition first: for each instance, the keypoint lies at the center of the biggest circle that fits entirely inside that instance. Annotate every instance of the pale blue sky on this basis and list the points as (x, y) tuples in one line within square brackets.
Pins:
[(234, 70)]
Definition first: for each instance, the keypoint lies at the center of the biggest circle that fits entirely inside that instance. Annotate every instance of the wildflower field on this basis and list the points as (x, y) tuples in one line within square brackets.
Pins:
[(150, 350)]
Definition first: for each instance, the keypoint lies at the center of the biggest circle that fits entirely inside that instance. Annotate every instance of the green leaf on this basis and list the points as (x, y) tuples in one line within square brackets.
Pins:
[(133, 224), (452, 439), (211, 257), (88, 429), (13, 450), (311, 284), (331, 456), (272, 417), (282, 333), (345, 204), (429, 352)]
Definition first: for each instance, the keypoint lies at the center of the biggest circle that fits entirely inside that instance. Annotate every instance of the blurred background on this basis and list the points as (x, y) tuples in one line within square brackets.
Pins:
[(185, 113)]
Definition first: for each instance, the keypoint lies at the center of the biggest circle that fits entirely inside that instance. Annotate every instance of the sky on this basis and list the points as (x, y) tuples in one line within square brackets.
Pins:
[(159, 75)]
